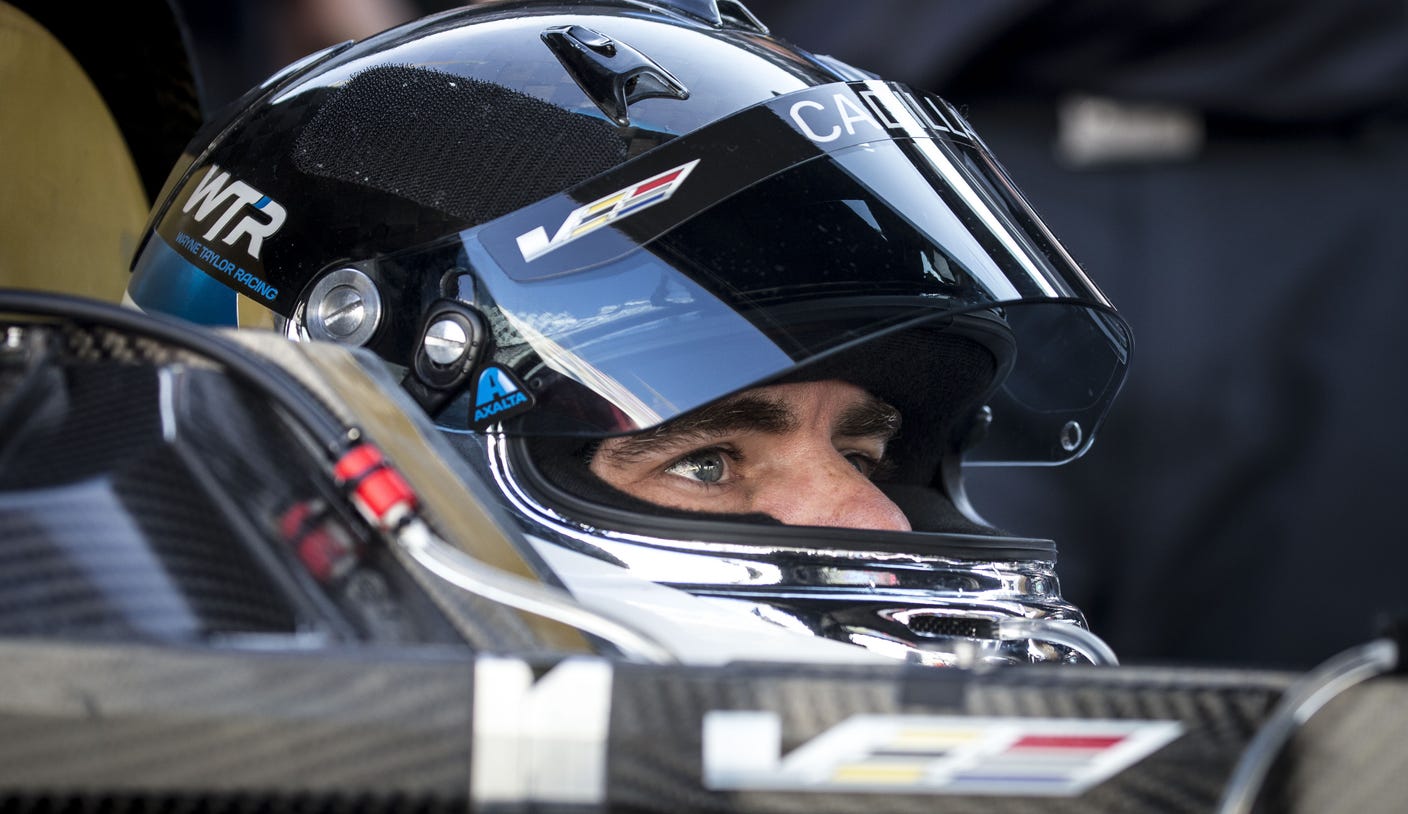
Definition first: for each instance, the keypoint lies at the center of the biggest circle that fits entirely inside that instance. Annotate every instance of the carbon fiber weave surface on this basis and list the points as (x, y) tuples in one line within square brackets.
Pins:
[(143, 729), (152, 724), (656, 731), (1350, 757), (105, 531)]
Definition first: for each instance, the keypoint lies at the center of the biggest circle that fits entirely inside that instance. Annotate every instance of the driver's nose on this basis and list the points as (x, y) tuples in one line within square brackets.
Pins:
[(835, 494)]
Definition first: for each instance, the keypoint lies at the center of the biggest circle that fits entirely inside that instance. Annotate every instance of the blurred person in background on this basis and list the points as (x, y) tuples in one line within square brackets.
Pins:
[(1232, 173), (238, 43)]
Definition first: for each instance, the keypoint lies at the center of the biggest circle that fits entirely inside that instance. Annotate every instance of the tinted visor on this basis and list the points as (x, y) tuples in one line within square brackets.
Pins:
[(798, 231)]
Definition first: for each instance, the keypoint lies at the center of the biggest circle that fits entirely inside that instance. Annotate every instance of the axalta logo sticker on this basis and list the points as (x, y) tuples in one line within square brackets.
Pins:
[(1038, 757), (498, 395), (620, 204), (217, 195)]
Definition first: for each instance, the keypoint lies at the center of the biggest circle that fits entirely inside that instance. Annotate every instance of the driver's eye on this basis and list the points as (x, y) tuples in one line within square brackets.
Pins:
[(705, 466), (864, 464)]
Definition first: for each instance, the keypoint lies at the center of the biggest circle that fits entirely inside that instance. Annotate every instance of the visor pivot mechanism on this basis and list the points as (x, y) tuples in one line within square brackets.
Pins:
[(1071, 436), (977, 429), (344, 306), (452, 340)]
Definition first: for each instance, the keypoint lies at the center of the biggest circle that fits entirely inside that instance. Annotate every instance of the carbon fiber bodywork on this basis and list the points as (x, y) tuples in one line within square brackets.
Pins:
[(148, 497), (157, 729), (361, 729)]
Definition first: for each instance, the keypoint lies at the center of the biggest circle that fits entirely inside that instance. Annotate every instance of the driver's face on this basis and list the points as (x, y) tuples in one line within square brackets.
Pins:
[(802, 453)]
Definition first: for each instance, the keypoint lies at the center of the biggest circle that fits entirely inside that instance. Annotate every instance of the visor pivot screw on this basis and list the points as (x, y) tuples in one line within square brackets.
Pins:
[(445, 341), (977, 429), (344, 306), (343, 311), (453, 340), (1071, 436)]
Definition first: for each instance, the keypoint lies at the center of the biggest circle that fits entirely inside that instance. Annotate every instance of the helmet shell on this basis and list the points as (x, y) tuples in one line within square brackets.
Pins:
[(370, 185), (424, 130)]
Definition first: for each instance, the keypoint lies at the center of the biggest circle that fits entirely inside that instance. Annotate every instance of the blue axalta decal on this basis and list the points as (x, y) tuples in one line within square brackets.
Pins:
[(497, 393), (165, 282)]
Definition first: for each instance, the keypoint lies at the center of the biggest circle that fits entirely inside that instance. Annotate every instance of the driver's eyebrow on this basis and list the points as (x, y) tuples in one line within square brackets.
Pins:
[(742, 413), (871, 418)]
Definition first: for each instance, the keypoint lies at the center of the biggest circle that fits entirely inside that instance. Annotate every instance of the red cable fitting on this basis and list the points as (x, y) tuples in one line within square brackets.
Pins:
[(325, 556), (357, 462), (378, 491), (322, 546)]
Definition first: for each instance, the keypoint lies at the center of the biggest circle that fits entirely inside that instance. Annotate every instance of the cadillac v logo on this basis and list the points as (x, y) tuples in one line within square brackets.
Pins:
[(622, 203)]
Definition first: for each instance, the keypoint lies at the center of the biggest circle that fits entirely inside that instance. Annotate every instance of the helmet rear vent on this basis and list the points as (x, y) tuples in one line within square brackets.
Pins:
[(468, 148)]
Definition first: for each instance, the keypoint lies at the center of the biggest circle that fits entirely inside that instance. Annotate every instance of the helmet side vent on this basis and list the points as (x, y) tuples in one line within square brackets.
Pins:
[(462, 146), (970, 627)]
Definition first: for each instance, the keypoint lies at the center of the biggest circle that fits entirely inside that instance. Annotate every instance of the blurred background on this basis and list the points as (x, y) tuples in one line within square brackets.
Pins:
[(1229, 173)]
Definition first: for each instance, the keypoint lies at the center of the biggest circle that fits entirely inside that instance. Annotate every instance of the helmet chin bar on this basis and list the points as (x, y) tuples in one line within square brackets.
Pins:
[(922, 609)]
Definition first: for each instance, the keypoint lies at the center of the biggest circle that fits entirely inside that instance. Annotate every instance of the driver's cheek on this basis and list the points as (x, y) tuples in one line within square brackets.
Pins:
[(835, 494)]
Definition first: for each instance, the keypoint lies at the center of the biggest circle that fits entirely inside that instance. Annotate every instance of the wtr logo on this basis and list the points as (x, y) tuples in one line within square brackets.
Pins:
[(262, 215)]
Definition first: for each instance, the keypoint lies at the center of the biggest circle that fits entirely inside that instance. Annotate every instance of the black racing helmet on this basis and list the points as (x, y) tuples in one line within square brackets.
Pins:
[(565, 221)]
